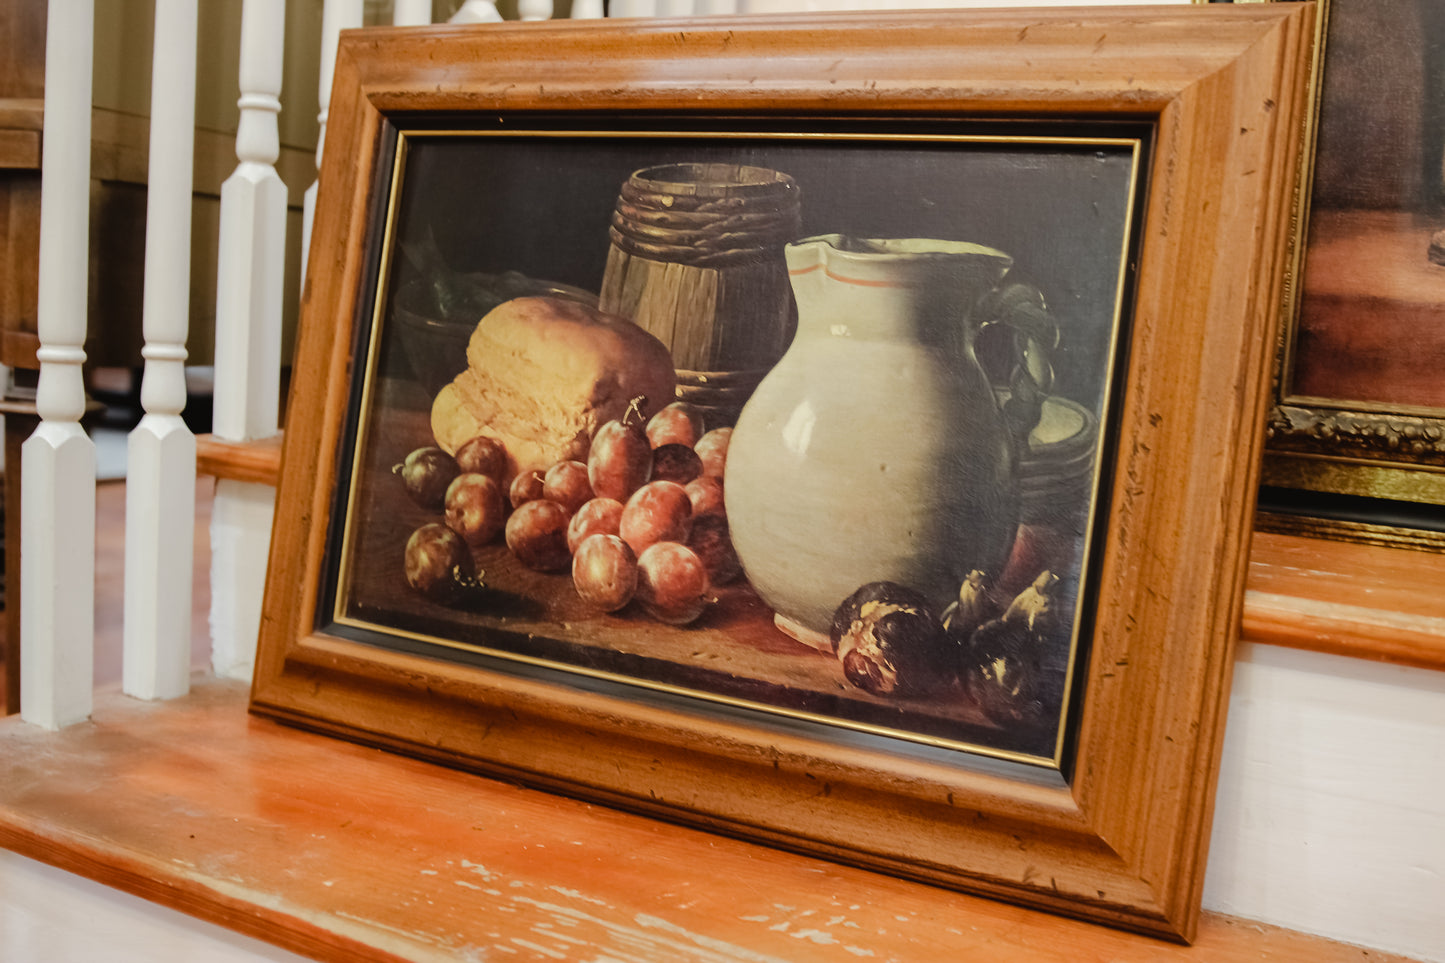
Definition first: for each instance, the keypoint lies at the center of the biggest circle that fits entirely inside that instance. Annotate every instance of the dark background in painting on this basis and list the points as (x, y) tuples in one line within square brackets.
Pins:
[(542, 207), (1382, 122), (1372, 302)]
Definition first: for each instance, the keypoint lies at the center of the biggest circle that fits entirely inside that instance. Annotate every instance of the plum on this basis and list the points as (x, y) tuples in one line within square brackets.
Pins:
[(537, 535), (677, 424), (475, 508), (620, 459), (566, 484), (526, 487), (676, 463), (712, 448), (604, 572), (425, 474), (706, 495), (600, 516), (483, 455), (659, 511), (437, 562), (712, 543), (672, 583)]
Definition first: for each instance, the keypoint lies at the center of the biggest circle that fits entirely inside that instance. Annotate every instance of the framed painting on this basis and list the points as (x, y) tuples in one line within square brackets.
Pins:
[(1357, 433), (853, 454)]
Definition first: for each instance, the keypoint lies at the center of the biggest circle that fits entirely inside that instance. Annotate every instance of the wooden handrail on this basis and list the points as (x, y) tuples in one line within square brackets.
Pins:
[(246, 461)]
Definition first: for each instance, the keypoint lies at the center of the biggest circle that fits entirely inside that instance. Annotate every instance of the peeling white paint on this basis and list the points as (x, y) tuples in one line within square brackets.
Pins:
[(575, 894), (538, 948), (478, 868), (815, 936)]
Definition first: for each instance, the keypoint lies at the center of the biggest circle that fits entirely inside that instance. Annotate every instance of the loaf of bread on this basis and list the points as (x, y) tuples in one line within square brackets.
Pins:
[(543, 374)]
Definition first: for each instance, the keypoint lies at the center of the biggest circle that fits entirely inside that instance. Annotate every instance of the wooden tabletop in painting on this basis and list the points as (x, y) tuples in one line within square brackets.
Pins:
[(348, 853), (733, 651)]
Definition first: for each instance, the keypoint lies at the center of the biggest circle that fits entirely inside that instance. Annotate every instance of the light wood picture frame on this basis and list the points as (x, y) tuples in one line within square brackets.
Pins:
[(1111, 827)]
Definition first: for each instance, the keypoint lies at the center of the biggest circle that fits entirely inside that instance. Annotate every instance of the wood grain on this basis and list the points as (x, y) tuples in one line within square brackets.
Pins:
[(1124, 841), (257, 461), (345, 853), (1344, 598)]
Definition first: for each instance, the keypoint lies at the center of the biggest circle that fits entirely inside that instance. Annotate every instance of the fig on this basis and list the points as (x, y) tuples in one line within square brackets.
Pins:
[(425, 474), (1002, 670), (437, 562), (672, 583), (676, 424), (973, 607), (890, 642), (475, 508), (659, 511), (537, 535), (620, 459), (483, 455), (604, 572)]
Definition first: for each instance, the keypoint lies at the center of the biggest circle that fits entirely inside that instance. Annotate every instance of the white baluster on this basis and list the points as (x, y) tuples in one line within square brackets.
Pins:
[(674, 8), (336, 16), (534, 9), (161, 464), (633, 8), (411, 13), (57, 603), (586, 9), (717, 6), (477, 11), (248, 327)]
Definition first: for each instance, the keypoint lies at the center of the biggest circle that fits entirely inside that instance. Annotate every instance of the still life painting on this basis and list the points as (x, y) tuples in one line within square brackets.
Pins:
[(808, 427)]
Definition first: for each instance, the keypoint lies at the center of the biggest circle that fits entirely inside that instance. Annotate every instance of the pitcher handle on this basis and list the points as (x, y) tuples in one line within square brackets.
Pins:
[(1020, 306)]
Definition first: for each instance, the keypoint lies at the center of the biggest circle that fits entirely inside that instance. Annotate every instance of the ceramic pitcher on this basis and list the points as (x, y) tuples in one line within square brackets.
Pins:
[(876, 448)]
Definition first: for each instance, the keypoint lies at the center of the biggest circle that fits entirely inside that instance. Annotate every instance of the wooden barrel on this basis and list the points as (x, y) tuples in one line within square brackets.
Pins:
[(697, 260)]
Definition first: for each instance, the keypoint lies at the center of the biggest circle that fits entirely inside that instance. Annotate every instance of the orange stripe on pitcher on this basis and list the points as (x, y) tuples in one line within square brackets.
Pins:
[(846, 280)]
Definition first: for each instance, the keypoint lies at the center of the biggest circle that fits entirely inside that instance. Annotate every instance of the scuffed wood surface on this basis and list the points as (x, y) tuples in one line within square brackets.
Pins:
[(1343, 598), (348, 853)]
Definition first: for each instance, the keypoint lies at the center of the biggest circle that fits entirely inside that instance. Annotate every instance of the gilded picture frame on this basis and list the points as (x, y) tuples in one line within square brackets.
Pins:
[(1111, 822)]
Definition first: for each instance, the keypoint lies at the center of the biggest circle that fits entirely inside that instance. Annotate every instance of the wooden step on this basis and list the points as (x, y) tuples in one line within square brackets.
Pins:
[(348, 853)]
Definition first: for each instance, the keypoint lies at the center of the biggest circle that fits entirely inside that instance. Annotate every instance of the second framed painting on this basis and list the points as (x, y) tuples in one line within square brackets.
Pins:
[(840, 432)]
